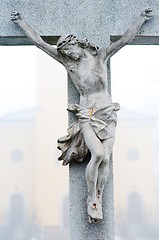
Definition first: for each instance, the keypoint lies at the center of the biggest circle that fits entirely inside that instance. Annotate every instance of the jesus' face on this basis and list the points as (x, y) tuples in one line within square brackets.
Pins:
[(72, 50)]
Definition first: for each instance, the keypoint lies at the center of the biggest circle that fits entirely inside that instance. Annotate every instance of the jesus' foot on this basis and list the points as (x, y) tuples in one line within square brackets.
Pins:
[(94, 211)]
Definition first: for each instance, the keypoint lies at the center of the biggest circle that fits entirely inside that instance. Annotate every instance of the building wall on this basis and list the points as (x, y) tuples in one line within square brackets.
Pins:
[(51, 123), (17, 162), (134, 161)]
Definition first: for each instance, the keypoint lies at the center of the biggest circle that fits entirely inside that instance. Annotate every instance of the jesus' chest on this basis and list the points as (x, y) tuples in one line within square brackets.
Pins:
[(88, 75)]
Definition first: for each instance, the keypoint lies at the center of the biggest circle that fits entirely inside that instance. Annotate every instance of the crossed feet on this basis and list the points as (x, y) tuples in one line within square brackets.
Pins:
[(94, 209)]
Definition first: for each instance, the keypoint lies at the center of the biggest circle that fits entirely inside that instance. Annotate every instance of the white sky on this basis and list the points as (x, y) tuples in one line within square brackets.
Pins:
[(18, 78), (135, 78), (134, 70)]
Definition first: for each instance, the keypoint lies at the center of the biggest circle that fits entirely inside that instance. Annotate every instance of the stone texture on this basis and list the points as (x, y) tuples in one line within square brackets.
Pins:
[(92, 19), (80, 228), (99, 21)]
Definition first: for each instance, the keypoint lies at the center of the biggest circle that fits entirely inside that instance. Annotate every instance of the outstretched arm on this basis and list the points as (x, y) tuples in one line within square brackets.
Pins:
[(34, 37), (129, 34)]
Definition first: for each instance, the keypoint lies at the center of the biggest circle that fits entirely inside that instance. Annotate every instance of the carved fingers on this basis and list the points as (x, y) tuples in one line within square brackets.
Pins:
[(15, 17), (147, 13)]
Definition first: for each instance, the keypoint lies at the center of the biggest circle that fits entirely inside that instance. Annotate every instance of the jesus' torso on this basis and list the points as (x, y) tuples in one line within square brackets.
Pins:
[(89, 75)]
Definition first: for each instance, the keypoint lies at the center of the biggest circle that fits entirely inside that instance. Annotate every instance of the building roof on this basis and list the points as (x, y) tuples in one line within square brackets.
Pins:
[(30, 115), (25, 115), (131, 115)]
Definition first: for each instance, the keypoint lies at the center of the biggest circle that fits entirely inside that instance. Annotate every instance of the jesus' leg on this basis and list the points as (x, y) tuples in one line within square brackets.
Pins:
[(97, 155), (103, 170)]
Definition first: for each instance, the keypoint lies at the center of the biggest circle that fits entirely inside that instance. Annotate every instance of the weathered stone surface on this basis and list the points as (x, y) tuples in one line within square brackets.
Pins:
[(98, 21), (80, 228), (91, 19)]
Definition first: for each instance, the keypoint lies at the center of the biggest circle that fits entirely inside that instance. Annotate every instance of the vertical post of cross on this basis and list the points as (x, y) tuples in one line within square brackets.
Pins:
[(80, 228)]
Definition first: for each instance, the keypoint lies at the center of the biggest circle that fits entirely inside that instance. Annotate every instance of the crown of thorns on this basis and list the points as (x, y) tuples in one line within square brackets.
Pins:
[(63, 40)]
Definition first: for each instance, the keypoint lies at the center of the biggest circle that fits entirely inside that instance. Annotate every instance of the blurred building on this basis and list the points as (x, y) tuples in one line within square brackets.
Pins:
[(134, 167), (17, 171), (34, 186)]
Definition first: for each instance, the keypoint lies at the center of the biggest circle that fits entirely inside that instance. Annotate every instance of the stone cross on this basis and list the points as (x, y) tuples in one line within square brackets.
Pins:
[(100, 22)]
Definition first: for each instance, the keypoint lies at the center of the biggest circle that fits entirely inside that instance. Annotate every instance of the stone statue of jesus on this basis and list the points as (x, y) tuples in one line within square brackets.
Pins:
[(93, 130)]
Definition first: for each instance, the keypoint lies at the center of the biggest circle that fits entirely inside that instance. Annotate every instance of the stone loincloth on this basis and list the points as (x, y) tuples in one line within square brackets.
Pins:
[(73, 145)]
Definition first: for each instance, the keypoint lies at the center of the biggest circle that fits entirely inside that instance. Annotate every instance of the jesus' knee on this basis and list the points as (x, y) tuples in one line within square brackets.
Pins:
[(98, 155)]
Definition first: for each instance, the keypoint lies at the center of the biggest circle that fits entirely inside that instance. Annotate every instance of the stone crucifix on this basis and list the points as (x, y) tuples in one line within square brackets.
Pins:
[(93, 130)]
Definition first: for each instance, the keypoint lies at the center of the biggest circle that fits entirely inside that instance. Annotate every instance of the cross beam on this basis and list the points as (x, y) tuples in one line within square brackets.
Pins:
[(84, 18)]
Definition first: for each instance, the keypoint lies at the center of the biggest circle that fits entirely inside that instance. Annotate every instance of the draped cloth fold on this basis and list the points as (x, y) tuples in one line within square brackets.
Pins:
[(73, 145)]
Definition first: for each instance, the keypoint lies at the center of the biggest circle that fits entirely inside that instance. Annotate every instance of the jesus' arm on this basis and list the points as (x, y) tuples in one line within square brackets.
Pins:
[(34, 37), (128, 36)]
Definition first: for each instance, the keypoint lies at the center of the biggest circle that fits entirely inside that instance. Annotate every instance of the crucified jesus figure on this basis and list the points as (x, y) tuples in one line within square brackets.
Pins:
[(93, 130)]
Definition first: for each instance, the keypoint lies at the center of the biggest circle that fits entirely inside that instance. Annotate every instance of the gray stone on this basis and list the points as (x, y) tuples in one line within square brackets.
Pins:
[(100, 22), (94, 20)]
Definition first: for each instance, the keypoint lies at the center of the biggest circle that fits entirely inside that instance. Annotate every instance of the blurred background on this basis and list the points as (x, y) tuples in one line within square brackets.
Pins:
[(34, 186)]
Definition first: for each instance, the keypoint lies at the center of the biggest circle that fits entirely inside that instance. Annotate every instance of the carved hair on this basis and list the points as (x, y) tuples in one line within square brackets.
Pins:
[(84, 43), (91, 47)]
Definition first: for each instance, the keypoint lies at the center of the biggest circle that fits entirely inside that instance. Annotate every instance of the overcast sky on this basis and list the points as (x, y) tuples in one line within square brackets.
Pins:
[(18, 79), (135, 78)]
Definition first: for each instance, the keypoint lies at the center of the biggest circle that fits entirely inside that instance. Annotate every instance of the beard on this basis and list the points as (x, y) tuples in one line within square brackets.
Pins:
[(74, 56), (70, 55)]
